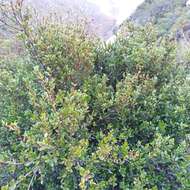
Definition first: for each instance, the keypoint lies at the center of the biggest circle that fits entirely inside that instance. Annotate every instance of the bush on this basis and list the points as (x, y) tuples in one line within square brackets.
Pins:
[(123, 125), (138, 51)]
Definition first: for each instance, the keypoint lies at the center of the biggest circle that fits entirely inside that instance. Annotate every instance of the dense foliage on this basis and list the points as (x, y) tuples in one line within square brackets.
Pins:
[(77, 114)]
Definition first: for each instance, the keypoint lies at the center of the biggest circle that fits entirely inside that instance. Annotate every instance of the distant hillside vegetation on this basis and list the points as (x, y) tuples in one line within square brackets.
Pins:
[(167, 15)]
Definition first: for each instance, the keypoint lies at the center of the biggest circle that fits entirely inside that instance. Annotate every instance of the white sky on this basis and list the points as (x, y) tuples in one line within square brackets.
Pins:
[(119, 9)]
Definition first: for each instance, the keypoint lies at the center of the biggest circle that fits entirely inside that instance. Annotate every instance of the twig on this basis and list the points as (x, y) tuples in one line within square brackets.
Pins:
[(31, 181)]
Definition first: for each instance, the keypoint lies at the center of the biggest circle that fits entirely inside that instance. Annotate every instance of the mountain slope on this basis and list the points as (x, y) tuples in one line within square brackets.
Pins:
[(168, 16), (101, 24)]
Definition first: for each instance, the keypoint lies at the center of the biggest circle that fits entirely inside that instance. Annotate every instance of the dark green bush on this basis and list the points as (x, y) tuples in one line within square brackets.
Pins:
[(118, 121)]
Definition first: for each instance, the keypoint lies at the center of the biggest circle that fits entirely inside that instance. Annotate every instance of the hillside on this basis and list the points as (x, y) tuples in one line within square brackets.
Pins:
[(168, 16), (100, 24)]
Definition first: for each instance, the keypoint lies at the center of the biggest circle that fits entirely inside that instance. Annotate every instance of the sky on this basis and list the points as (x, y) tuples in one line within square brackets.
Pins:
[(119, 9)]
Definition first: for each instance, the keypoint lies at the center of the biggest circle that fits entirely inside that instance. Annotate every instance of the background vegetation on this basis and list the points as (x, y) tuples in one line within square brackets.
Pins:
[(168, 16)]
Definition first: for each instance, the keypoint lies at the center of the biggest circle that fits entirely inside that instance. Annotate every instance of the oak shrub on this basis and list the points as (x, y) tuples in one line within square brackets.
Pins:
[(80, 114)]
